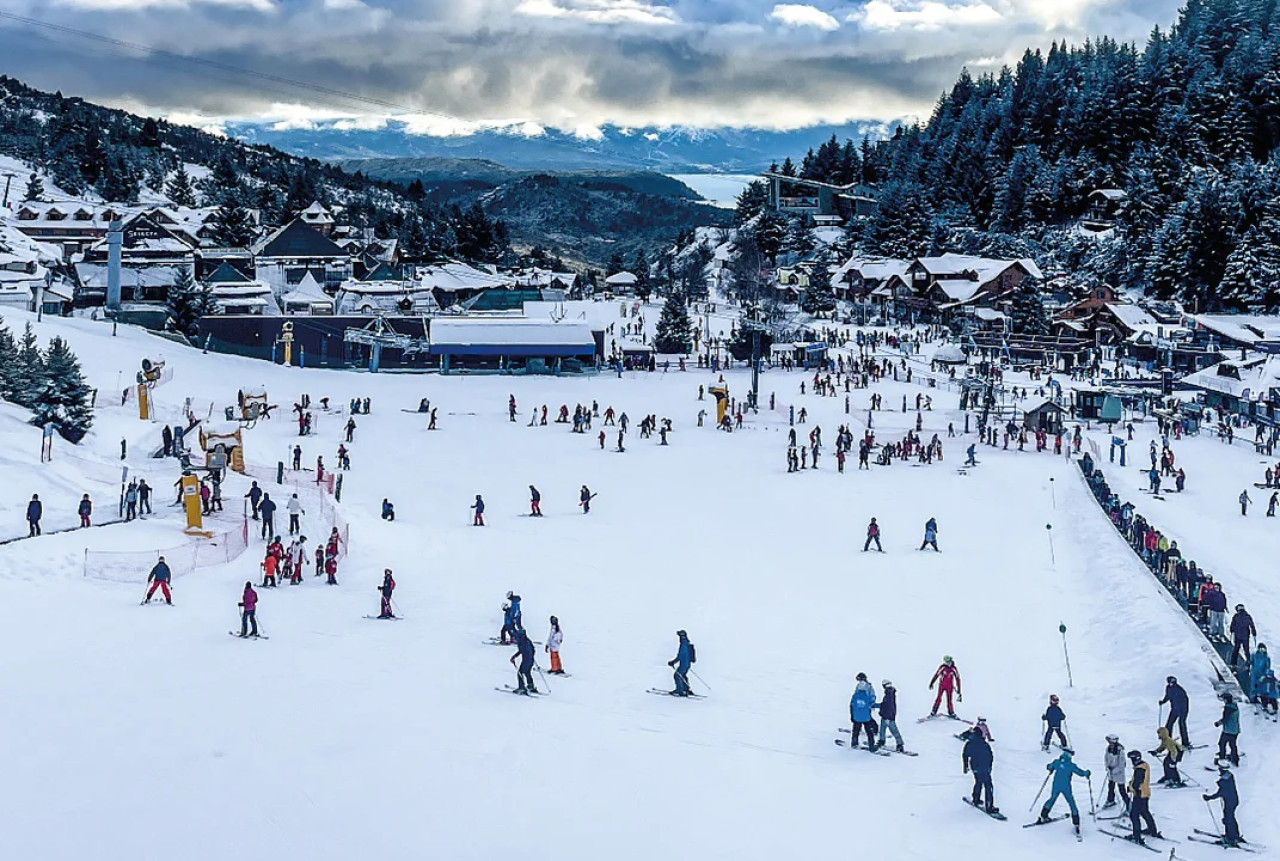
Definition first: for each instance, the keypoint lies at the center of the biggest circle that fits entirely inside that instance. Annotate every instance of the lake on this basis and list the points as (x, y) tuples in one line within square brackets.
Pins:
[(720, 189)]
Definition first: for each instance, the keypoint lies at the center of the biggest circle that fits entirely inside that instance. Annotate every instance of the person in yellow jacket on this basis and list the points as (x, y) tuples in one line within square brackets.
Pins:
[(1172, 753), (1140, 806)]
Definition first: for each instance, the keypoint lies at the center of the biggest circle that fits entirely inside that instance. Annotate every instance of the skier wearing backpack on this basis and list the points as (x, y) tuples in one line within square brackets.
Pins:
[(685, 657), (388, 586), (873, 534), (947, 678), (860, 706)]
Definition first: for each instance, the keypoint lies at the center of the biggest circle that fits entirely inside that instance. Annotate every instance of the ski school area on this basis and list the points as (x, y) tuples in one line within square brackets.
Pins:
[(143, 731)]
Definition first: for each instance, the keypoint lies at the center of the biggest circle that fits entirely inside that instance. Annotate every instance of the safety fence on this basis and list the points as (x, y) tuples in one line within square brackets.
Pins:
[(1182, 579), (133, 566), (316, 496)]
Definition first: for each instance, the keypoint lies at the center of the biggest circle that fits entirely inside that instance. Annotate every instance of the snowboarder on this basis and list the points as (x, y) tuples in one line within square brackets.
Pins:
[(1117, 779), (1230, 724), (524, 672), (947, 678), (584, 499), (1053, 717), (388, 510), (873, 534), (1179, 704), (1063, 769), (554, 639), (85, 510), (248, 611), (511, 621), (255, 497), (683, 661), (888, 708), (1140, 806), (860, 706), (1241, 629), (388, 586), (1172, 752), (930, 535), (159, 578), (35, 510), (972, 452), (978, 757), (294, 507), (535, 501), (1230, 801), (478, 520)]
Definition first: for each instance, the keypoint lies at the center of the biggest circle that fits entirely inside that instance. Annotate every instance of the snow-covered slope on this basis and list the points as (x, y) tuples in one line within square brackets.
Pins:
[(147, 732)]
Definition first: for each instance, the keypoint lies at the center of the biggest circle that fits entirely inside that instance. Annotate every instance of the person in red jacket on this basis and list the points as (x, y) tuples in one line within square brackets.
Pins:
[(947, 678), (873, 533)]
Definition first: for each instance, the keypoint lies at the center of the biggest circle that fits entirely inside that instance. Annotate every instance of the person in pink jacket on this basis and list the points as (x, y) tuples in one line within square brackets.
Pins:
[(248, 611)]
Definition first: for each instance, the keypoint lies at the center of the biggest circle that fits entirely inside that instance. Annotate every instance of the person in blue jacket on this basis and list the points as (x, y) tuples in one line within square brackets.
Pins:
[(1267, 693), (1063, 769), (930, 534), (1053, 717), (511, 621), (685, 656), (35, 510), (1230, 724), (1230, 801), (1258, 666), (860, 706), (978, 758), (1179, 704)]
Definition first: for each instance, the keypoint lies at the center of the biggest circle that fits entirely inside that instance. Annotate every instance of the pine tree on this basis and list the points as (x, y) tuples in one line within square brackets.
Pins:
[(179, 188), (8, 363), (615, 265), (674, 333), (181, 301), (232, 227), (63, 399), (770, 232), (35, 187), (818, 299), (28, 372), (751, 201), (800, 240), (1028, 315)]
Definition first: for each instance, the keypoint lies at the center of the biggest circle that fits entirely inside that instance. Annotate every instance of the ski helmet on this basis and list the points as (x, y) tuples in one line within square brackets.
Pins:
[(510, 594), (1173, 680), (1112, 739), (1135, 755), (982, 721), (862, 677), (886, 683), (1053, 698), (1271, 674), (1239, 608), (682, 634), (946, 659)]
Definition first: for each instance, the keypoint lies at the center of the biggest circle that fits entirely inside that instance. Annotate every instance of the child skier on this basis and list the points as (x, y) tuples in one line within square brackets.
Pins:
[(511, 621), (554, 639), (248, 611), (1117, 779), (947, 678), (873, 532), (860, 706), (1053, 718), (888, 707), (478, 520), (535, 502), (978, 758), (388, 586), (1063, 769), (584, 499), (930, 535), (159, 579)]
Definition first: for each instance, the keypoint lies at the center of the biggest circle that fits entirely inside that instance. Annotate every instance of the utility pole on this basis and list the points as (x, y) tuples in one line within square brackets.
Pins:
[(8, 180)]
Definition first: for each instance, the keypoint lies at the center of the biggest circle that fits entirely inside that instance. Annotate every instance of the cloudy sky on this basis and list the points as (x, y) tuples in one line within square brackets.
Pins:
[(568, 64)]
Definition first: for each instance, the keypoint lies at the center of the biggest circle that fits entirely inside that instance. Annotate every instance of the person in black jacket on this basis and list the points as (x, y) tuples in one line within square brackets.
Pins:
[(1241, 629), (1053, 718), (35, 510), (524, 672), (1179, 704), (267, 509), (1230, 801), (978, 758), (888, 707)]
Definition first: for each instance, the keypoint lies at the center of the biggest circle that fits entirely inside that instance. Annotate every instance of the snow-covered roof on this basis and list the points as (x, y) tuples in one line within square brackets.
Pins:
[(459, 276), (990, 314), (247, 288), (950, 354), (1131, 315), (621, 279), (307, 292), (1114, 194), (1254, 376), (877, 269), (1245, 329), (316, 214), (487, 333)]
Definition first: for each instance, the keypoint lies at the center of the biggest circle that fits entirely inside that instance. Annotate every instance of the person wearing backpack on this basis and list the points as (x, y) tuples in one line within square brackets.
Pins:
[(686, 657)]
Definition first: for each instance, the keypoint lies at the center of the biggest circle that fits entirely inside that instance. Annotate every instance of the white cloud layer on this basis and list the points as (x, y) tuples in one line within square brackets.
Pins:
[(801, 15)]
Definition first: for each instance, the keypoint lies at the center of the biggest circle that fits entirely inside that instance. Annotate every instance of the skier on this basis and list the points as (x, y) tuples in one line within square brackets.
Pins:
[(535, 502), (297, 459), (478, 520), (524, 672), (554, 639), (1258, 666), (888, 708), (972, 452), (351, 429), (267, 510), (1053, 717), (511, 621), (1244, 503), (930, 535), (255, 497), (1116, 778), (511, 407), (860, 706), (947, 678), (1230, 801), (1172, 756), (34, 512), (1230, 724), (1179, 704), (269, 565), (1140, 806), (978, 757), (1063, 769), (248, 611), (388, 586), (159, 579), (294, 507), (685, 657), (85, 510), (388, 510), (873, 534), (1241, 629), (584, 499)]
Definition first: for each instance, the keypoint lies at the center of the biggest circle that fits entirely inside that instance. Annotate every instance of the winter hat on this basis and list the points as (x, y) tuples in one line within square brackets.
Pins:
[(1113, 739), (1053, 698), (886, 684)]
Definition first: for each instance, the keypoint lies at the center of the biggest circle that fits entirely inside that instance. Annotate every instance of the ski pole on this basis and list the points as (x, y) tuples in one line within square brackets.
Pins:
[(544, 678), (1043, 784), (699, 678), (1062, 629), (1093, 808), (1213, 819)]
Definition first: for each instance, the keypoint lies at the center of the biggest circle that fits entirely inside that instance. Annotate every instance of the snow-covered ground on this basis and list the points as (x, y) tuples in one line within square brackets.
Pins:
[(147, 732)]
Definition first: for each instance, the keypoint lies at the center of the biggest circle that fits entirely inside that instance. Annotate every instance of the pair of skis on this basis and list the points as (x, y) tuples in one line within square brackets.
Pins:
[(883, 750), (1213, 838), (248, 636), (662, 693)]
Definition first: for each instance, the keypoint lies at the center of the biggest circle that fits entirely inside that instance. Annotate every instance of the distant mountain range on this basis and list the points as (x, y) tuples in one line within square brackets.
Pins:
[(675, 150)]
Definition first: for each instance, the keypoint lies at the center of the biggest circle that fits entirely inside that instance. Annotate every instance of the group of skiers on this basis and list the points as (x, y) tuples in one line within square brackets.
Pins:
[(524, 660)]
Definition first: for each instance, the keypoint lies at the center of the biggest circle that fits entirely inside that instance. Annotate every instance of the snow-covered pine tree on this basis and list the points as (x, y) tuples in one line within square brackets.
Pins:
[(8, 362), (674, 333), (751, 201), (818, 298), (769, 234), (28, 371), (35, 187), (181, 301), (1028, 316), (63, 399), (231, 225), (179, 188), (800, 240)]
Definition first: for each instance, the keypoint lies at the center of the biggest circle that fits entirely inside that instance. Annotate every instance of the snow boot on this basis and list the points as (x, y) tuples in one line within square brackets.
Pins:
[(1108, 805), (1044, 815), (1075, 821)]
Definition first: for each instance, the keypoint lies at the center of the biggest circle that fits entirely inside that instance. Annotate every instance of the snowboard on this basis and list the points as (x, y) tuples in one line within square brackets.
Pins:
[(250, 636), (1128, 838), (846, 730), (878, 751), (494, 641), (996, 815)]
